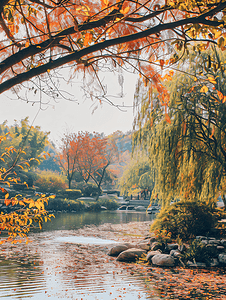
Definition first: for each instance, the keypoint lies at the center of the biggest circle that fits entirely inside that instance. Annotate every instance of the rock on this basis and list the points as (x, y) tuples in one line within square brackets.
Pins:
[(151, 254), (220, 249), (130, 255), (212, 250), (172, 246), (214, 262), (214, 241), (103, 208), (223, 242), (175, 253), (222, 258), (204, 242), (144, 244), (140, 208), (200, 237), (157, 246), (116, 250), (163, 260)]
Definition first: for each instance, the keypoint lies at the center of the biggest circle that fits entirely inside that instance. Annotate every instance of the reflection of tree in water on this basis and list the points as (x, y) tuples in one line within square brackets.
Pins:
[(68, 221), (21, 271)]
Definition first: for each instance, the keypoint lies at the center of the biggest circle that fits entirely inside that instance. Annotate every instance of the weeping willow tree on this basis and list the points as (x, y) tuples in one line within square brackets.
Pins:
[(137, 175), (188, 149)]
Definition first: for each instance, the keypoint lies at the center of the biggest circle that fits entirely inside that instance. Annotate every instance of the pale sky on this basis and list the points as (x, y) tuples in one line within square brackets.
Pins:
[(73, 117)]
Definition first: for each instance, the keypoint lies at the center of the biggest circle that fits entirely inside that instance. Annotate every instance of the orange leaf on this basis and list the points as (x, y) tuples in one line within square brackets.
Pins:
[(212, 132), (3, 190), (7, 202), (167, 118), (125, 11), (220, 95), (88, 38)]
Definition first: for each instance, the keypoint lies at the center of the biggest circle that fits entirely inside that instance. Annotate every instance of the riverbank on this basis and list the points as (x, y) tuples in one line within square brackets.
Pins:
[(68, 267), (170, 283)]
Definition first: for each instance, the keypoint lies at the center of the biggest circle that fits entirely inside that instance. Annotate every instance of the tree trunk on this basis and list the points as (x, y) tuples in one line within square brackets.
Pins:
[(69, 182)]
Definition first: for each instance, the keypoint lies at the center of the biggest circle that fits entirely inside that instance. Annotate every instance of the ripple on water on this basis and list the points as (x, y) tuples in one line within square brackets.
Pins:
[(62, 267)]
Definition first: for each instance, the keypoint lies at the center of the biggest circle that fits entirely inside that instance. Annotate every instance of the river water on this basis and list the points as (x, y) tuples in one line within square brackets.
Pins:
[(60, 263)]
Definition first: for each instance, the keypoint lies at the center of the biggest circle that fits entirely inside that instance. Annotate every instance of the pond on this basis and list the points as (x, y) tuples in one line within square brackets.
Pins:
[(61, 264)]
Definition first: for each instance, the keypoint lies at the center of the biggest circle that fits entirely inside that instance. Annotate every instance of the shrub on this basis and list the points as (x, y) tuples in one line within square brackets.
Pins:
[(95, 206), (65, 205), (71, 193), (110, 204), (198, 251), (87, 189), (49, 182), (185, 220)]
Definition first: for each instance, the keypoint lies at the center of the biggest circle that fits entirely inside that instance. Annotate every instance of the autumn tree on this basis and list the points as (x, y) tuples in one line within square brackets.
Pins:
[(41, 37), (23, 213), (189, 151), (28, 141), (88, 154)]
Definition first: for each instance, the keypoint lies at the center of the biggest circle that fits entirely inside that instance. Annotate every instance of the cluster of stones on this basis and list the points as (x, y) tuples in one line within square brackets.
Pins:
[(168, 255)]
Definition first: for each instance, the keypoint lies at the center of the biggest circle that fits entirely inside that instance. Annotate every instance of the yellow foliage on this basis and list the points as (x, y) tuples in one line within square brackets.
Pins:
[(19, 222)]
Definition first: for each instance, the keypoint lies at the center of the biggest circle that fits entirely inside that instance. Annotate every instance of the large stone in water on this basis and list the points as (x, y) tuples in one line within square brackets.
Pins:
[(151, 254), (163, 260), (131, 255), (116, 250), (144, 244)]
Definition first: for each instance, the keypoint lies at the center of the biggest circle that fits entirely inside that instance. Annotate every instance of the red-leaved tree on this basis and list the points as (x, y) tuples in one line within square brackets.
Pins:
[(88, 154)]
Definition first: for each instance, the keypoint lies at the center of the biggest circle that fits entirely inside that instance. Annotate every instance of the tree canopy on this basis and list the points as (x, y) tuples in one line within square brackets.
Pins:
[(26, 144), (137, 175), (40, 36), (18, 214), (87, 154), (188, 152)]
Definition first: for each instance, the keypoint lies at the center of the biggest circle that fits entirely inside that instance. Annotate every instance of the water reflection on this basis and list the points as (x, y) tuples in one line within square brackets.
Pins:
[(69, 221), (50, 268), (20, 273)]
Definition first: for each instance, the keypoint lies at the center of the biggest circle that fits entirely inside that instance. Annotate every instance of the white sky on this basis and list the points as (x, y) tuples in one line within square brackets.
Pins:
[(69, 116)]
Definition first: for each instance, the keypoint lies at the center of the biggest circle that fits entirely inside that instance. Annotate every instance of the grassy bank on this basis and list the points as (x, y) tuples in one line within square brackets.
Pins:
[(59, 204)]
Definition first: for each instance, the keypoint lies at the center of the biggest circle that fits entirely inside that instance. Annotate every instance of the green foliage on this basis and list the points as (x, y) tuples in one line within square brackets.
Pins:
[(30, 139), (58, 204), (198, 252), (137, 175), (95, 206), (50, 163), (163, 237), (20, 213), (187, 219), (188, 150), (87, 189), (72, 193), (49, 182), (110, 204)]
